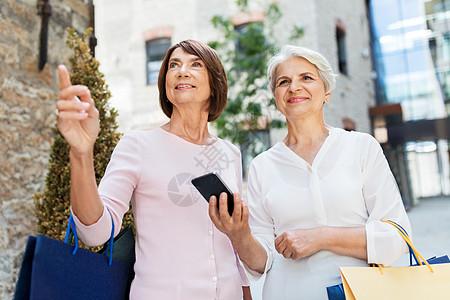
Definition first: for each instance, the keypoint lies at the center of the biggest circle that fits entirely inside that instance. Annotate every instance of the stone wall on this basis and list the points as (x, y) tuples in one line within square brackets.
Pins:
[(27, 106)]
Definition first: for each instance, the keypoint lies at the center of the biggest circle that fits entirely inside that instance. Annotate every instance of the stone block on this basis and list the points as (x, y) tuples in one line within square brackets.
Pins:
[(27, 105)]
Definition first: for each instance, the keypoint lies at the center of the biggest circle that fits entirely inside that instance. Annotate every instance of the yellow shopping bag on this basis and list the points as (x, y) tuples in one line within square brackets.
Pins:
[(416, 282), (422, 282)]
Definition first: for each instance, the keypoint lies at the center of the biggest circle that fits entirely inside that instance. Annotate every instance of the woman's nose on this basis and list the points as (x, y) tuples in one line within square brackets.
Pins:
[(183, 72), (295, 86)]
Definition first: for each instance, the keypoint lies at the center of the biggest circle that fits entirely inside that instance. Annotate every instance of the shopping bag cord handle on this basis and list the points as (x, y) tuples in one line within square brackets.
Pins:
[(111, 242), (412, 249), (71, 227)]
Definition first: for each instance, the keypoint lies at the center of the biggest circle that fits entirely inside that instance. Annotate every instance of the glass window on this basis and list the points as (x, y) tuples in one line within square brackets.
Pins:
[(257, 142), (155, 51), (250, 43), (342, 55), (254, 33), (240, 30), (411, 53)]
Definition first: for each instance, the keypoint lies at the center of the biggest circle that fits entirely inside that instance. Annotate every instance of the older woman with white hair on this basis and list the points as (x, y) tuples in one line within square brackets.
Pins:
[(316, 199)]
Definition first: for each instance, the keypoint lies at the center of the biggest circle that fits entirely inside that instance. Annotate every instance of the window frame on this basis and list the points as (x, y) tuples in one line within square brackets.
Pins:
[(154, 60), (341, 49)]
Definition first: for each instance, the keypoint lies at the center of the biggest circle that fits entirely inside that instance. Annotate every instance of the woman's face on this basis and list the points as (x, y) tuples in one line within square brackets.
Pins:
[(299, 90), (187, 80)]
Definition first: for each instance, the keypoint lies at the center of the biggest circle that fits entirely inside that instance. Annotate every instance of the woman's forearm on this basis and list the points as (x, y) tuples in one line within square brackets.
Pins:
[(349, 241), (84, 197), (237, 228), (250, 251)]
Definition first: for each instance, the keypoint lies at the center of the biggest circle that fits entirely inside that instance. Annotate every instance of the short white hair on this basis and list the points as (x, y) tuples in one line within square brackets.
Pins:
[(317, 59)]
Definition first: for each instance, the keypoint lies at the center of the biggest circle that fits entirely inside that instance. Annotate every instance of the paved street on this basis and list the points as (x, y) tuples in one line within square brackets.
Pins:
[(430, 222)]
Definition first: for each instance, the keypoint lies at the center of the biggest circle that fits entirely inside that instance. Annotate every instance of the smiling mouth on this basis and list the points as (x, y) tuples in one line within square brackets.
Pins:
[(184, 86), (297, 99)]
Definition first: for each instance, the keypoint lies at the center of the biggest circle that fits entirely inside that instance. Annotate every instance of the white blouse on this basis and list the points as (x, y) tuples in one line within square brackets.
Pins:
[(348, 184)]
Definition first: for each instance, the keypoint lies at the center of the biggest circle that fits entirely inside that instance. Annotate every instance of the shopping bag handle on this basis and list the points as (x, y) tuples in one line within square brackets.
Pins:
[(72, 228), (71, 225), (403, 232), (412, 250)]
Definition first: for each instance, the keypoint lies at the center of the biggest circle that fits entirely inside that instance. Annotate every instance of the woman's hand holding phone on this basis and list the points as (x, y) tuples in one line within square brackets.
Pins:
[(229, 213), (236, 226), (211, 184)]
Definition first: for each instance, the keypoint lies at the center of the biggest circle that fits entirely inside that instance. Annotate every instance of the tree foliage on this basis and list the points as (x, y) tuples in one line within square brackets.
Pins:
[(52, 206), (245, 51)]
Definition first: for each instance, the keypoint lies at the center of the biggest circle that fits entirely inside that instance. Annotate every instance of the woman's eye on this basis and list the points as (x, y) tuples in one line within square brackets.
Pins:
[(306, 77), (197, 64), (172, 65), (282, 82)]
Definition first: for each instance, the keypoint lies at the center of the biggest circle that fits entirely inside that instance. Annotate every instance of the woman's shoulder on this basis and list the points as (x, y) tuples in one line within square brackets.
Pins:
[(359, 144), (142, 133), (137, 138), (354, 137), (270, 153), (228, 145)]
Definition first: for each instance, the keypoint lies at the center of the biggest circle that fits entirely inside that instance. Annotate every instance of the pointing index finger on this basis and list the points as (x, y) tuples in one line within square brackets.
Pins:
[(64, 78)]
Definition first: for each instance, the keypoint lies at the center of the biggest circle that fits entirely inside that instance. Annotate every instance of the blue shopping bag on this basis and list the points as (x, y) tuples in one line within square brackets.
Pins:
[(53, 269)]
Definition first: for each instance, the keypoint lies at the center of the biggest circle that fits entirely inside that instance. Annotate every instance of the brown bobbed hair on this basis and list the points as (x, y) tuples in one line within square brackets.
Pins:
[(216, 74)]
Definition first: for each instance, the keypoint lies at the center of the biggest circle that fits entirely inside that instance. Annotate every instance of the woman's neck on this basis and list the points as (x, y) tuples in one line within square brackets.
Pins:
[(306, 138), (193, 129), (305, 130)]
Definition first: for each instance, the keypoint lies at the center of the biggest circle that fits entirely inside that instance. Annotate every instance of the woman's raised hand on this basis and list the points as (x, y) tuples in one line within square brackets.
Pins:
[(78, 119)]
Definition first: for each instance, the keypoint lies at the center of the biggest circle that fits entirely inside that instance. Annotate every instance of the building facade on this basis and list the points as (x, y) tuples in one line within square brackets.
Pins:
[(132, 37), (411, 47), (28, 92)]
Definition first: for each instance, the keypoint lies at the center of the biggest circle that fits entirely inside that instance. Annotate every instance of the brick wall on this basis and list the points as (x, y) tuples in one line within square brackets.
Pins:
[(354, 93), (27, 106)]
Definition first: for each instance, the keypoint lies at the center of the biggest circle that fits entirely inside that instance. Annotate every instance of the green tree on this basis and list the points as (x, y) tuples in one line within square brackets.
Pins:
[(245, 51), (52, 206)]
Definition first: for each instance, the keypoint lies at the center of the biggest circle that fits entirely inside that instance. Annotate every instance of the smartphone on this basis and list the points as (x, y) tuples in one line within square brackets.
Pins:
[(211, 184)]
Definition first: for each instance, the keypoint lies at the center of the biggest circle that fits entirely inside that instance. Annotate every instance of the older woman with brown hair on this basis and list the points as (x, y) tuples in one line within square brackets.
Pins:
[(179, 252), (316, 199)]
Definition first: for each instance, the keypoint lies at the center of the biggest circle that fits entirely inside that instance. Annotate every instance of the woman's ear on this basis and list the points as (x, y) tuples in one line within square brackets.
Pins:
[(327, 98)]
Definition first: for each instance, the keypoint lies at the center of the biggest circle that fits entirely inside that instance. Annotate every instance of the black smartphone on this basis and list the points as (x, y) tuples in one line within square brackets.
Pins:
[(211, 184)]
